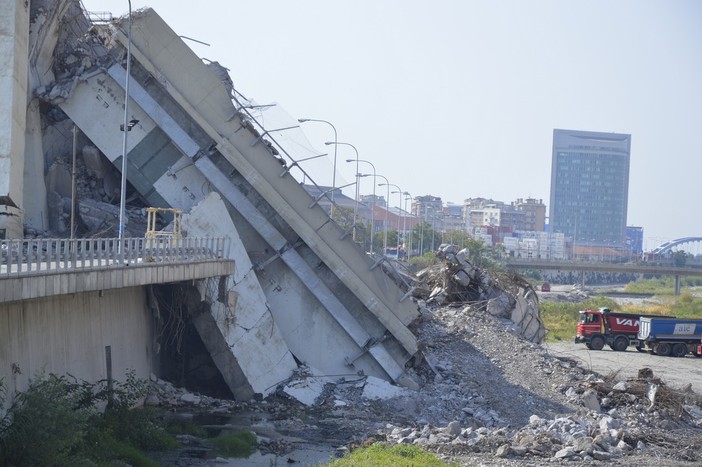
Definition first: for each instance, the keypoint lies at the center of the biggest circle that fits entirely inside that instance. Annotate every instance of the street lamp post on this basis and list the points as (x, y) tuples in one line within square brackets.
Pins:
[(409, 249), (125, 128), (355, 204), (372, 230), (399, 206), (303, 120), (387, 209)]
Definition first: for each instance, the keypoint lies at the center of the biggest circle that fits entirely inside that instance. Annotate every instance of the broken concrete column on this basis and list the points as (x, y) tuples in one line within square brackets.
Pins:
[(527, 317), (97, 165), (58, 179), (240, 334)]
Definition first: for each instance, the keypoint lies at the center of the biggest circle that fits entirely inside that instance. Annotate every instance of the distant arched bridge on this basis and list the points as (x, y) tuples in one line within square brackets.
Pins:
[(668, 246)]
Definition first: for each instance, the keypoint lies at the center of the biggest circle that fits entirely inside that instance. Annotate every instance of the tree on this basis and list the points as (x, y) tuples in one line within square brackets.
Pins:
[(680, 257)]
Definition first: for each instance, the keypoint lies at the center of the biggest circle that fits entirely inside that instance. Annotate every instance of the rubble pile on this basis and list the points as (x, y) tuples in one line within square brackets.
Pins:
[(486, 395), (456, 281)]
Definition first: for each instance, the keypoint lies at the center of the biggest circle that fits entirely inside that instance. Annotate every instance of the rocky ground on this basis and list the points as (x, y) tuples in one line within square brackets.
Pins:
[(486, 396)]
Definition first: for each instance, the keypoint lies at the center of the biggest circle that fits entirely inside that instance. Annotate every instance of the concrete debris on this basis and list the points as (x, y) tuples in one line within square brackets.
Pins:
[(97, 165), (378, 389), (486, 406), (507, 296), (306, 390)]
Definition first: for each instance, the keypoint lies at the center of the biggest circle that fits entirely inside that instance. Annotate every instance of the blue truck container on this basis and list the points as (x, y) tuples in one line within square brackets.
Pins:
[(671, 336)]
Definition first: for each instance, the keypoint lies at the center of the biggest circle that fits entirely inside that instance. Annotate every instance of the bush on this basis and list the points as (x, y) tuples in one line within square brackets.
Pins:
[(45, 425), (238, 444), (55, 422)]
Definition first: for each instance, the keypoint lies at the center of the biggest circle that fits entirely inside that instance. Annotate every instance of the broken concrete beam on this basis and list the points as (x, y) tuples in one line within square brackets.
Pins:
[(241, 335)]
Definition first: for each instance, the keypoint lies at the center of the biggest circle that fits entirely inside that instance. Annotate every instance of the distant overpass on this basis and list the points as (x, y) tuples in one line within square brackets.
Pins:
[(583, 266), (639, 267)]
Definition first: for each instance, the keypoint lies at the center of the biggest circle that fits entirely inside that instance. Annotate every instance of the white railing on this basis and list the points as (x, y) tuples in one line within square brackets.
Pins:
[(57, 254)]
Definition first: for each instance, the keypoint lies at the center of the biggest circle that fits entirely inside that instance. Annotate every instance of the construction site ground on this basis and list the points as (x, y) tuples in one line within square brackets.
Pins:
[(488, 397)]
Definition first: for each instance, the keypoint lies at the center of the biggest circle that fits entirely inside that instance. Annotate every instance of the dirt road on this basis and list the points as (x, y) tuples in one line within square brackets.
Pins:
[(676, 372)]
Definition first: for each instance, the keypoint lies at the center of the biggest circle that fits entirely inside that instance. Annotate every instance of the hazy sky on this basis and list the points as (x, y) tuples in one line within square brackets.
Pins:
[(459, 98)]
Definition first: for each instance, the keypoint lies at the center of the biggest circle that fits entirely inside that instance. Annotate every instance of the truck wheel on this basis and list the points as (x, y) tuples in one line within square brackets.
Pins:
[(620, 344), (663, 349), (597, 342), (679, 350)]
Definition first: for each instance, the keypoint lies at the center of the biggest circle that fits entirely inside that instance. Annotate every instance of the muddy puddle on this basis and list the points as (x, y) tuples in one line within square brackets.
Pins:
[(199, 451)]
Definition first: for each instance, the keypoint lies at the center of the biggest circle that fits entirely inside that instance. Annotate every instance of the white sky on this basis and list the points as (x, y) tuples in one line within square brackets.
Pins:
[(459, 98)]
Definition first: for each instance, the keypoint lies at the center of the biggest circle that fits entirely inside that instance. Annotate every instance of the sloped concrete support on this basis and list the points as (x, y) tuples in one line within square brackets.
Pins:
[(238, 329), (323, 341), (334, 311), (296, 318), (163, 53)]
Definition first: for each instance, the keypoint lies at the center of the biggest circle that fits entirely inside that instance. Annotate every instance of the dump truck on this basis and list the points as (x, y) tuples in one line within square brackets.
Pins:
[(597, 328), (671, 337)]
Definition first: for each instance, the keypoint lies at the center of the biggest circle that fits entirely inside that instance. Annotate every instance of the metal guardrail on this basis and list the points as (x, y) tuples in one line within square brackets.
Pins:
[(39, 256)]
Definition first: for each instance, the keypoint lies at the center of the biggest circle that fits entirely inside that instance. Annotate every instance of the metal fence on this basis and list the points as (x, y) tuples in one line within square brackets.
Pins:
[(56, 254)]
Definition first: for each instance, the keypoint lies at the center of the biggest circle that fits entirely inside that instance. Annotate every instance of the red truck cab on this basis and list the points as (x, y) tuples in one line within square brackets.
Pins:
[(599, 327)]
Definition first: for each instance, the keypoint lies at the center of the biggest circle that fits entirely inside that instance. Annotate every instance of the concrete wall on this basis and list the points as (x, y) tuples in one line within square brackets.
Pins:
[(14, 39), (69, 333)]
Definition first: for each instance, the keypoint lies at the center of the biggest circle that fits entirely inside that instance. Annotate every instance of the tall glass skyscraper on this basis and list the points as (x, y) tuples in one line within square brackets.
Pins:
[(590, 186)]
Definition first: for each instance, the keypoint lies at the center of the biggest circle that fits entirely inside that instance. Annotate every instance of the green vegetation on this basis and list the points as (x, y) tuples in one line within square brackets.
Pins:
[(661, 285), (424, 261), (383, 455), (478, 254), (56, 422), (237, 444)]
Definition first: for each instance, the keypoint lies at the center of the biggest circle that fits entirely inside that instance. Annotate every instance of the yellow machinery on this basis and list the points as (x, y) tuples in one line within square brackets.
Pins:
[(175, 232)]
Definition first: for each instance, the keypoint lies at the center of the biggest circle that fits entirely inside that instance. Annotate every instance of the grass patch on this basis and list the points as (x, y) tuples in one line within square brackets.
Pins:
[(560, 319), (235, 444), (383, 455), (662, 285)]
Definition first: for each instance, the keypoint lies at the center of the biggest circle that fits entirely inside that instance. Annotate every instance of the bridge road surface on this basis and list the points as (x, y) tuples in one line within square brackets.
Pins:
[(675, 372)]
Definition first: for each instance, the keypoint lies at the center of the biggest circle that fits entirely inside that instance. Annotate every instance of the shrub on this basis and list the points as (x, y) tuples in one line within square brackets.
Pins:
[(55, 422), (237, 444)]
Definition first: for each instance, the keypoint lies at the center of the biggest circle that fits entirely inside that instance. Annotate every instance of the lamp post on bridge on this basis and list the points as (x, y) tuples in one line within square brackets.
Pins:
[(372, 230), (399, 206), (303, 120), (125, 127), (355, 204), (387, 209), (409, 249)]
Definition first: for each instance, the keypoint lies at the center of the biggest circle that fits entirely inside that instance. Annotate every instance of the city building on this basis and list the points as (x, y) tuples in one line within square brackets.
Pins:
[(589, 187), (501, 218), (453, 217), (634, 240), (534, 213), (429, 209)]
